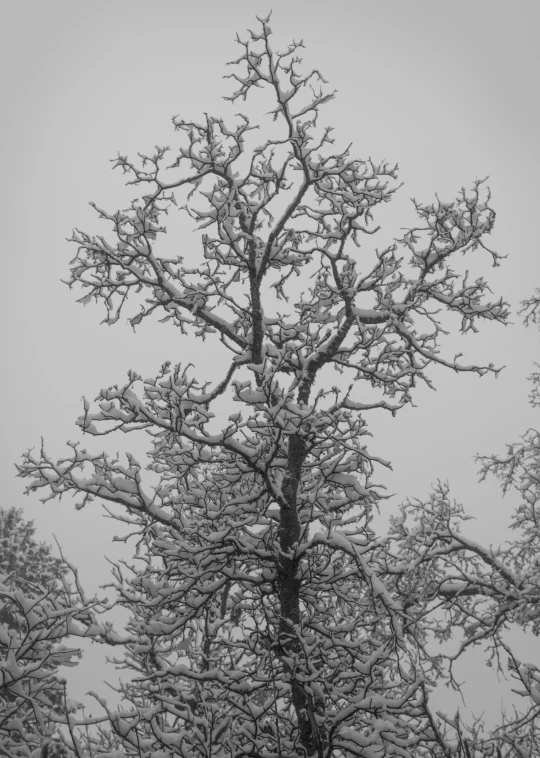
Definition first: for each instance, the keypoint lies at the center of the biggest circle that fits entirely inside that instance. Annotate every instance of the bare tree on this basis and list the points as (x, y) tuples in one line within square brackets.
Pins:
[(267, 617)]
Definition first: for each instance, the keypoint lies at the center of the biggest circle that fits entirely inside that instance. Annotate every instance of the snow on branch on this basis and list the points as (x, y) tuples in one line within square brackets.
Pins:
[(265, 615)]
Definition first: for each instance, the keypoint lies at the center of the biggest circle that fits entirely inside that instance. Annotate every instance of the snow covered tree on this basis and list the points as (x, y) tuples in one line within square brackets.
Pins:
[(266, 616), (481, 591), (23, 561), (39, 608), (21, 556)]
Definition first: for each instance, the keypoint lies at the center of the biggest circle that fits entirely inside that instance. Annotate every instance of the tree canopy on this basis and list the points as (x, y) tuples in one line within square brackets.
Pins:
[(267, 618), (39, 608)]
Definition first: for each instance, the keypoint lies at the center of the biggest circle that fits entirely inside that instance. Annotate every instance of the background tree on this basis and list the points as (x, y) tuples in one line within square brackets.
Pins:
[(38, 609), (21, 556), (483, 591), (267, 618)]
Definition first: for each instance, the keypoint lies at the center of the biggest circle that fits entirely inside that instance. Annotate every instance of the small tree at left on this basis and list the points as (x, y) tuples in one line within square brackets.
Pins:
[(41, 605)]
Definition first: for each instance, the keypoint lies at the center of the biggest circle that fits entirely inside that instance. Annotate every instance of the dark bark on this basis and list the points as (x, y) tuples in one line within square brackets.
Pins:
[(289, 596)]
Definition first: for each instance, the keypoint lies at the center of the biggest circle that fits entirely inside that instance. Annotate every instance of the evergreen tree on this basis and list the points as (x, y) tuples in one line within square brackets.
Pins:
[(38, 608)]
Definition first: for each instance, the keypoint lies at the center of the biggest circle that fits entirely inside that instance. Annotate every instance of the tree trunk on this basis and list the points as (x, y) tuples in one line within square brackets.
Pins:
[(289, 595)]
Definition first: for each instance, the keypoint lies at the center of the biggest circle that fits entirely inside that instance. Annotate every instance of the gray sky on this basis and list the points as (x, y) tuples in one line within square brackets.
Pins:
[(449, 91)]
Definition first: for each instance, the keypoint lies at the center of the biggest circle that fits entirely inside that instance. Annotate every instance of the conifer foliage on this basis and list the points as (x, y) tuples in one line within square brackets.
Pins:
[(266, 616), (39, 608)]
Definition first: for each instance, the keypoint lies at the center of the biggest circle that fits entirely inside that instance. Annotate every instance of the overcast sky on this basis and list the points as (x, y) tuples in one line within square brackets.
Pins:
[(449, 91)]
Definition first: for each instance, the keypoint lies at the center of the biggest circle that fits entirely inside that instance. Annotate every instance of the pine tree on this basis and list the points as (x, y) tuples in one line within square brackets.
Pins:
[(37, 611)]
